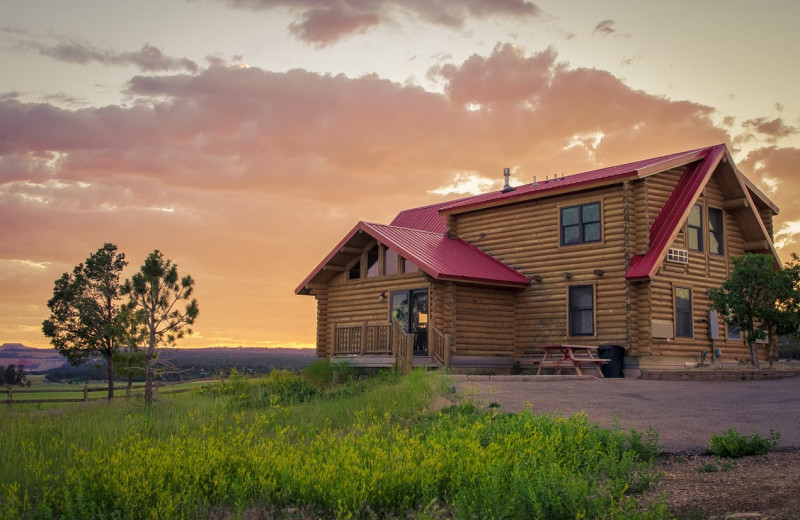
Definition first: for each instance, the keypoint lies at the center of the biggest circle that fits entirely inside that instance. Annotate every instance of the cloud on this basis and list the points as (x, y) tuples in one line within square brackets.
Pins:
[(771, 129), (147, 59), (322, 22), (774, 170), (606, 28), (265, 171), (326, 25)]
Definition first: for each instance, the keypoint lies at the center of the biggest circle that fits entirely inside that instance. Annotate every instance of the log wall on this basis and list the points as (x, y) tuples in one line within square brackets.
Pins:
[(526, 237), (704, 271), (352, 302), (484, 320)]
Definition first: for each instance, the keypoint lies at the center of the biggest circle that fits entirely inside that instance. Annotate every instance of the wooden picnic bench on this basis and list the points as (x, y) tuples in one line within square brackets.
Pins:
[(574, 357)]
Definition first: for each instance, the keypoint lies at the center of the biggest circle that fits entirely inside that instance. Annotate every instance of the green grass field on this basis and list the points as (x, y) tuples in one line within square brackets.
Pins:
[(290, 446)]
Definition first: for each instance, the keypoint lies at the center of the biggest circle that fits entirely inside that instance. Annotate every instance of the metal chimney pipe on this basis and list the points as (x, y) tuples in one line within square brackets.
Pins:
[(507, 174)]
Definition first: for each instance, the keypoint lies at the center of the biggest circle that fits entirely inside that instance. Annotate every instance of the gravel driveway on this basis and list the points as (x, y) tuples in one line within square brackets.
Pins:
[(684, 413)]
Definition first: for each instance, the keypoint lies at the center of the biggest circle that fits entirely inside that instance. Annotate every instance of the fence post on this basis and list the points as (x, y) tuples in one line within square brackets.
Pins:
[(363, 337), (10, 395), (85, 392)]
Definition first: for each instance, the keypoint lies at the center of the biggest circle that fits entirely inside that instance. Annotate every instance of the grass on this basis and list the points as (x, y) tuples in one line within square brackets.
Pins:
[(302, 447), (734, 445)]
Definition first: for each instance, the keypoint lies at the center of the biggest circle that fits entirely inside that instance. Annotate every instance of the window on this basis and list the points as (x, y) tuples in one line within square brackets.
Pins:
[(581, 310), (715, 236), (734, 332), (696, 228), (372, 262), (683, 312), (580, 224), (355, 271), (409, 266), (391, 261)]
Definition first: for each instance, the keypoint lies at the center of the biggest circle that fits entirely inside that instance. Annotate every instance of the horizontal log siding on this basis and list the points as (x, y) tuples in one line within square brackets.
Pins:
[(766, 218), (484, 323), (704, 271), (323, 330), (526, 237), (353, 302)]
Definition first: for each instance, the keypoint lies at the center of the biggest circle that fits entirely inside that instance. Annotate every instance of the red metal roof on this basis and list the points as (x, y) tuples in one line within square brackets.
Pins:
[(667, 224), (426, 218), (436, 254), (575, 182), (446, 258)]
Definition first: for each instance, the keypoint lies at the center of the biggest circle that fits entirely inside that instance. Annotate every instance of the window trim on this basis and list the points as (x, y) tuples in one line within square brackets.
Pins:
[(720, 236), (580, 206), (594, 310), (675, 288), (700, 230), (729, 337)]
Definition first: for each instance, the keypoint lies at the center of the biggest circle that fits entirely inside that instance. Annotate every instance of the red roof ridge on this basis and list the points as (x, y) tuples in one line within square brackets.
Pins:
[(666, 225), (578, 181), (406, 228)]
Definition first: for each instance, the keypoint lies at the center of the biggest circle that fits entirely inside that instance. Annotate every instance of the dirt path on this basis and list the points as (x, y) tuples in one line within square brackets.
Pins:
[(684, 413)]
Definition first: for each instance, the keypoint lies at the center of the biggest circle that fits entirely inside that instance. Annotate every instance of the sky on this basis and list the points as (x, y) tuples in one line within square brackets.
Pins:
[(245, 138)]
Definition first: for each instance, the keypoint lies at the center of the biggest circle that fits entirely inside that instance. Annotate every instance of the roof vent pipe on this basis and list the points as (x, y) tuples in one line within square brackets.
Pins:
[(507, 174)]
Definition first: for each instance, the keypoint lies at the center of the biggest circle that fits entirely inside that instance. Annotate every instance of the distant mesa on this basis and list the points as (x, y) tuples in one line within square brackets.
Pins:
[(33, 359)]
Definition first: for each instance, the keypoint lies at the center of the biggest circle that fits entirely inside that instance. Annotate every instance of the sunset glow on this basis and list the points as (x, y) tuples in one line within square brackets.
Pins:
[(245, 138)]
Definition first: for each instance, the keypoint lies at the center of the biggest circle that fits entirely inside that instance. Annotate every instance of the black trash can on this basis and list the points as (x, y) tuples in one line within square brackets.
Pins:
[(615, 356)]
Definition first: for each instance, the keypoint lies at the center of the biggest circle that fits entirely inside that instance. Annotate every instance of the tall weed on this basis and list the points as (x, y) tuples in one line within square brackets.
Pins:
[(374, 450)]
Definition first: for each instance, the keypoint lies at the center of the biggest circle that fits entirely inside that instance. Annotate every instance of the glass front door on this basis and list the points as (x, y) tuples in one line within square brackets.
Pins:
[(410, 309)]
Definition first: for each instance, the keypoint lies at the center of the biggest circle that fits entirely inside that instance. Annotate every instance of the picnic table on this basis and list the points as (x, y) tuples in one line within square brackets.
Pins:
[(573, 357)]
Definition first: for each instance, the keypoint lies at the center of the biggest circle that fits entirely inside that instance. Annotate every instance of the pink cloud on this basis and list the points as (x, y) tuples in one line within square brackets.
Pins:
[(326, 25), (147, 59), (247, 177), (323, 22), (773, 129)]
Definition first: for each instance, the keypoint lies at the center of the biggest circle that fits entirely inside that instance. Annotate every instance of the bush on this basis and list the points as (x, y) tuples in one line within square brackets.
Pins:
[(734, 445)]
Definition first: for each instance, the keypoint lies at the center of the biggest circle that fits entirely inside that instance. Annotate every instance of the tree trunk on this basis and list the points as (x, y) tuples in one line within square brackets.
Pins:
[(773, 339), (110, 373), (148, 382), (754, 354), (148, 366)]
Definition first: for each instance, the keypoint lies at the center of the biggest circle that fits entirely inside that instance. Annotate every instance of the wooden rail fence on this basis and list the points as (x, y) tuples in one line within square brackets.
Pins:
[(11, 392)]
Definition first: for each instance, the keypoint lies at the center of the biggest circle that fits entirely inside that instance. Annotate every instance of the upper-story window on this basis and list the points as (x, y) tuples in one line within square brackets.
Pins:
[(391, 262), (696, 228), (715, 235), (373, 261), (580, 224)]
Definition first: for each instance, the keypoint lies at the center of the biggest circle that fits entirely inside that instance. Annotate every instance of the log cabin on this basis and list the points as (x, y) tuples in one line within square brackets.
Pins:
[(623, 256)]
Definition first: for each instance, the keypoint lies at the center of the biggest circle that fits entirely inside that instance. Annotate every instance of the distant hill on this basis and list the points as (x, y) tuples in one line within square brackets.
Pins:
[(33, 359), (206, 361)]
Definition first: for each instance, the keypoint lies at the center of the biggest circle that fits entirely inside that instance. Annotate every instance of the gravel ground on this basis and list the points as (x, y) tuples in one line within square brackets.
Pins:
[(696, 486), (685, 413)]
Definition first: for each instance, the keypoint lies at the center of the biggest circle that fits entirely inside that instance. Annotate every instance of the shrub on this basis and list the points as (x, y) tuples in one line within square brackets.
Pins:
[(734, 445)]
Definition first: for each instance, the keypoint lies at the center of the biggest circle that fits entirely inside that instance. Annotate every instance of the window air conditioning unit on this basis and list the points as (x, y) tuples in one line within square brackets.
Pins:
[(680, 256)]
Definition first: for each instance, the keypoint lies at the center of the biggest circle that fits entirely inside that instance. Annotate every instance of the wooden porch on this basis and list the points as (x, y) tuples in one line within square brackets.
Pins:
[(386, 344)]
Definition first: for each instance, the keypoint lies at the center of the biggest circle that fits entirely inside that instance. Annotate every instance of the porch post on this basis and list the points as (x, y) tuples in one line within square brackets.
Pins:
[(448, 341), (332, 341), (363, 337)]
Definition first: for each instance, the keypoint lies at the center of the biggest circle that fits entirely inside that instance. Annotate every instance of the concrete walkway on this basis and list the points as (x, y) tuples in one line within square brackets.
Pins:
[(684, 413)]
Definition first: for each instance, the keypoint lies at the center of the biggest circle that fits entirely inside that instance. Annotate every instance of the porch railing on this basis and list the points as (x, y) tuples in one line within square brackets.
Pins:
[(403, 343), (375, 338), (387, 339), (440, 347)]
